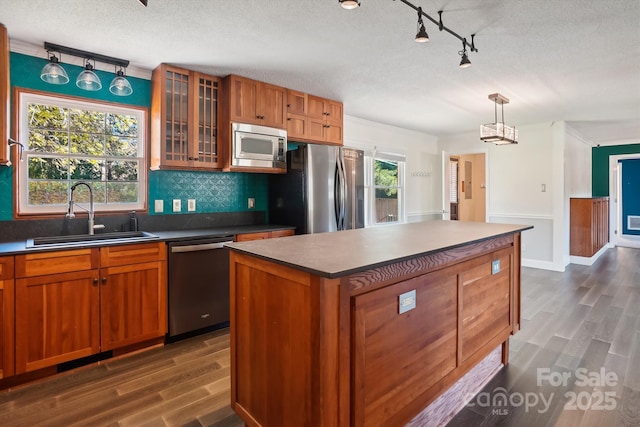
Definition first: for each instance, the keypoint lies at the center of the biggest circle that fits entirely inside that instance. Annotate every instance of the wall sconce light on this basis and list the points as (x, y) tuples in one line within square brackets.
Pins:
[(497, 132), (54, 73), (422, 36)]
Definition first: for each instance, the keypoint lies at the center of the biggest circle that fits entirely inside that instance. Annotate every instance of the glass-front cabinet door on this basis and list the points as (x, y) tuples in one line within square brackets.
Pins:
[(184, 110)]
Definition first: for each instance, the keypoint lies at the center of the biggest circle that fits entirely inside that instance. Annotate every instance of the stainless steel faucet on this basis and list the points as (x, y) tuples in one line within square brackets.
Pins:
[(70, 213)]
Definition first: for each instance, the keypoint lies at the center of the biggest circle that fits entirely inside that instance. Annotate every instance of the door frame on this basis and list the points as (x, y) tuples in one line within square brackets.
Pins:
[(615, 203)]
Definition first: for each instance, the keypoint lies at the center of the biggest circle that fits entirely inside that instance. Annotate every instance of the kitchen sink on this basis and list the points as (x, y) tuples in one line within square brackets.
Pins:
[(90, 239)]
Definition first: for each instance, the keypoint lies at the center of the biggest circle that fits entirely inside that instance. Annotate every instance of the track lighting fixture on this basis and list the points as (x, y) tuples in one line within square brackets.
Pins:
[(422, 36), (54, 73), (497, 132), (349, 4)]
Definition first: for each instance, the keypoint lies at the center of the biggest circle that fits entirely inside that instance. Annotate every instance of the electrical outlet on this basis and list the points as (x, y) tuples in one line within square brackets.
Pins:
[(544, 188), (158, 206), (251, 202), (191, 205), (176, 205)]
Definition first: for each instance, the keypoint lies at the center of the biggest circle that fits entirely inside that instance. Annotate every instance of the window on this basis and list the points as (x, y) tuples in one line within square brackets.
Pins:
[(388, 189), (67, 141)]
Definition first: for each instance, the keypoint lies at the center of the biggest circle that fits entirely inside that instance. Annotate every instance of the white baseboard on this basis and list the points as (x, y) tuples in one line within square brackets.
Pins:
[(543, 265), (581, 260)]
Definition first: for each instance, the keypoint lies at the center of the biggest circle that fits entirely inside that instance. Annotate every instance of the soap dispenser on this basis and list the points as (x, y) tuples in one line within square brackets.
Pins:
[(133, 221)]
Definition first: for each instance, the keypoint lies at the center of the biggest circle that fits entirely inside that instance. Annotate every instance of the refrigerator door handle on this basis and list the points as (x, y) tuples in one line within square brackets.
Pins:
[(343, 190)]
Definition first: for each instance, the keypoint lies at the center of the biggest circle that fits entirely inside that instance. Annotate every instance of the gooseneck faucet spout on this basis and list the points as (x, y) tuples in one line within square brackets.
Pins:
[(90, 211)]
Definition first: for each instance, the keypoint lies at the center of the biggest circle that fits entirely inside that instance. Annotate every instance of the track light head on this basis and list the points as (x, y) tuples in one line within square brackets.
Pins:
[(53, 72), (349, 4), (88, 79), (464, 61), (421, 35)]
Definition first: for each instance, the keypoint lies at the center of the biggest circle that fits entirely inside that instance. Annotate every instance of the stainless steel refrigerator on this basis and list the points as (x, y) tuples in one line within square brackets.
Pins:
[(323, 189)]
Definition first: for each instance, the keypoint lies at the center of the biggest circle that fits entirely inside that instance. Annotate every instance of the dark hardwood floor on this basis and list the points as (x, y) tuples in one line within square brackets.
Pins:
[(581, 323)]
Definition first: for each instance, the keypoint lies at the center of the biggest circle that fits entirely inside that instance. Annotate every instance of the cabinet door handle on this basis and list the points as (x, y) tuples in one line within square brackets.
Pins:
[(95, 280), (288, 118), (104, 280)]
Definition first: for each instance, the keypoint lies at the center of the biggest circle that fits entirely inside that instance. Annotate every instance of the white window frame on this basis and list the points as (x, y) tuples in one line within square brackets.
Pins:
[(370, 193), (26, 97)]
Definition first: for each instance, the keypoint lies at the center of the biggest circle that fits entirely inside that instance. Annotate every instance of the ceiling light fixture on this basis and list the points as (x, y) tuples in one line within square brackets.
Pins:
[(120, 86), (349, 4), (143, 2), (53, 72), (498, 133), (422, 35), (87, 79)]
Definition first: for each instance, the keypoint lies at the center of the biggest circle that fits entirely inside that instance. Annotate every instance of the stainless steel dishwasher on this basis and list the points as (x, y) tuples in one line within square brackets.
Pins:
[(198, 285)]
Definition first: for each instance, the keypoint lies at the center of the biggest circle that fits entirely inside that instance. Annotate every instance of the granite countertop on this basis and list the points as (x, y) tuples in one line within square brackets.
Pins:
[(342, 253), (20, 246)]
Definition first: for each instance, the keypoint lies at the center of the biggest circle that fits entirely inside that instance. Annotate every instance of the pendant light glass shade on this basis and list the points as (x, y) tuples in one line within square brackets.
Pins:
[(54, 73), (120, 86), (88, 80)]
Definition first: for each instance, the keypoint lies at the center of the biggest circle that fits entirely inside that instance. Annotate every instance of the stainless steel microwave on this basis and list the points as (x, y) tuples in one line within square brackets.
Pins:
[(259, 146)]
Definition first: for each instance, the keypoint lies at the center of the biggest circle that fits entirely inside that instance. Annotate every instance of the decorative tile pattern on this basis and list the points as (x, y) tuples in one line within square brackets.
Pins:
[(213, 191)]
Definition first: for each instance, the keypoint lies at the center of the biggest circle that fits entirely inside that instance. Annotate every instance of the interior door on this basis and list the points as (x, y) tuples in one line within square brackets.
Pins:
[(446, 188)]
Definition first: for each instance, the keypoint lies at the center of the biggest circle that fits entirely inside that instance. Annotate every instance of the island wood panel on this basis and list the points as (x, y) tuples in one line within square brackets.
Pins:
[(397, 357), (133, 304), (7, 320), (57, 319), (485, 301), (271, 324)]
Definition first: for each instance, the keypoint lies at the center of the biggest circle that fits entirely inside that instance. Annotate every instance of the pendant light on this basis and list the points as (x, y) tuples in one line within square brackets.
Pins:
[(53, 72), (87, 79), (349, 4), (120, 86), (498, 133)]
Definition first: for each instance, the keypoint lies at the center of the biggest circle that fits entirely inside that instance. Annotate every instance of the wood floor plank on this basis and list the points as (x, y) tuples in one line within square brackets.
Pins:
[(622, 337)]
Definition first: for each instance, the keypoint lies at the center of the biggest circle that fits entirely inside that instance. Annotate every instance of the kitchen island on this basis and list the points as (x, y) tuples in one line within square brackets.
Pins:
[(367, 327)]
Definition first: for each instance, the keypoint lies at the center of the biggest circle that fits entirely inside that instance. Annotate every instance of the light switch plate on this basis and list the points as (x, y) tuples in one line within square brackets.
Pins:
[(251, 203), (406, 301), (176, 205), (495, 266), (191, 205), (158, 206)]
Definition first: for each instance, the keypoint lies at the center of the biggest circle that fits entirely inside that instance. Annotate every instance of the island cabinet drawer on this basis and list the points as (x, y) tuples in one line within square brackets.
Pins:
[(6, 267), (43, 263), (263, 235), (111, 256), (399, 355)]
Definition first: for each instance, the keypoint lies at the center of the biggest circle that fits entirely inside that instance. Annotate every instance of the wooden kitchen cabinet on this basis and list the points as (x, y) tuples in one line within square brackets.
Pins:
[(70, 305), (325, 120), (588, 225), (4, 95), (263, 235), (7, 343), (254, 102), (184, 119), (297, 112)]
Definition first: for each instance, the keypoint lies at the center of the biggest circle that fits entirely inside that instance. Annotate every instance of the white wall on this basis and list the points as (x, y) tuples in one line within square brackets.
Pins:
[(515, 176), (423, 175), (577, 176)]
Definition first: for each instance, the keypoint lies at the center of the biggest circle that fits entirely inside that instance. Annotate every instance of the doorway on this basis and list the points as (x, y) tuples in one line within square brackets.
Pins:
[(620, 234), (465, 188)]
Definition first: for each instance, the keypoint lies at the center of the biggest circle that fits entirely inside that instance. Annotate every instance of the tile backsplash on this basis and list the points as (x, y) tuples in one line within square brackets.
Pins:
[(213, 191)]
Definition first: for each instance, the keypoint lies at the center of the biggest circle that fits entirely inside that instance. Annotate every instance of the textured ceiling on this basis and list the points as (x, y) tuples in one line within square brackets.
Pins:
[(571, 60)]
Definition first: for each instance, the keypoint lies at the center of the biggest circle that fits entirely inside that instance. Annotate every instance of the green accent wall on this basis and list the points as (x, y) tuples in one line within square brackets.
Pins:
[(600, 166), (213, 191)]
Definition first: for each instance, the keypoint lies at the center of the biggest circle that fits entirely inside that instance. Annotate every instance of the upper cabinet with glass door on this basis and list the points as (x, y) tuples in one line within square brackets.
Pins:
[(184, 119), (4, 95)]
